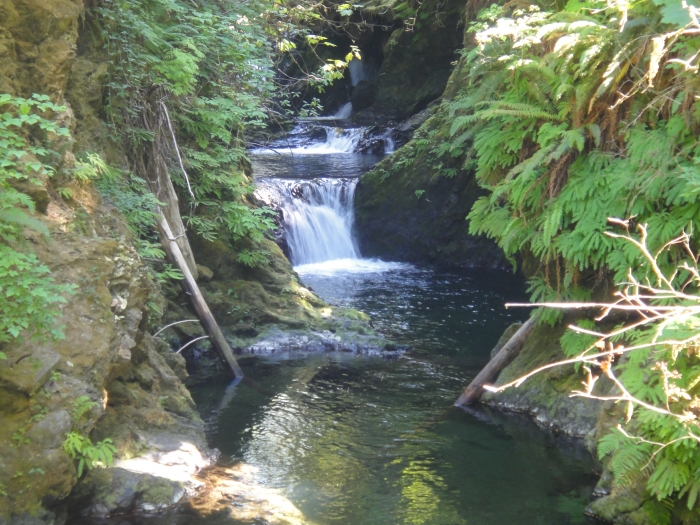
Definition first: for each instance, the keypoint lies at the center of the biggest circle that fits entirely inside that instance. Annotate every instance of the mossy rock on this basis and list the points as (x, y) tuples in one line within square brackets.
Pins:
[(546, 396), (406, 210)]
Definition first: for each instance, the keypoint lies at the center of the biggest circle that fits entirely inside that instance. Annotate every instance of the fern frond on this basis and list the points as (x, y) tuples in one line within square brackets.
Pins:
[(17, 217)]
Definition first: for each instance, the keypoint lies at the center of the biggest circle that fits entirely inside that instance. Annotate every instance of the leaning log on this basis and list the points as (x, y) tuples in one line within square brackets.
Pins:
[(502, 359), (217, 339)]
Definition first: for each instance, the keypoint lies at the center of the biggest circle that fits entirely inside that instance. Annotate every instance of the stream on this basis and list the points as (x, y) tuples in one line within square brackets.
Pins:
[(369, 441)]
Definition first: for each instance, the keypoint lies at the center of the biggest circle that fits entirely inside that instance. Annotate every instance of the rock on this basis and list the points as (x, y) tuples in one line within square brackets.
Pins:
[(544, 397), (363, 94), (619, 505), (205, 274), (50, 432), (405, 211), (37, 192), (117, 491), (417, 63), (233, 493), (26, 371)]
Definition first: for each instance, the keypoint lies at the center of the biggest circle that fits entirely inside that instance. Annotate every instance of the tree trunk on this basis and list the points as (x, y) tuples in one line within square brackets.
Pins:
[(206, 318), (502, 359), (153, 167)]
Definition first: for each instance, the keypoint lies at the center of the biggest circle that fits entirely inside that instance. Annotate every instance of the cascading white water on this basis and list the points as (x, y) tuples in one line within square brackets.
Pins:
[(318, 217), (317, 213), (344, 111), (389, 145), (338, 140), (357, 71)]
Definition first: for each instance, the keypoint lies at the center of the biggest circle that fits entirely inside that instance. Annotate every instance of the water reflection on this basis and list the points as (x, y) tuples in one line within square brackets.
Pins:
[(370, 441), (364, 440), (339, 439)]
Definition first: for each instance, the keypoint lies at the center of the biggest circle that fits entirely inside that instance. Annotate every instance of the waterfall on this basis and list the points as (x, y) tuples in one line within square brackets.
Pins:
[(338, 140), (344, 111), (357, 71), (318, 217), (389, 146), (315, 195)]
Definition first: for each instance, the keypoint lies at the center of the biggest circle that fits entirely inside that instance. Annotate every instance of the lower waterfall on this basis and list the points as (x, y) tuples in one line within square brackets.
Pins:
[(318, 217)]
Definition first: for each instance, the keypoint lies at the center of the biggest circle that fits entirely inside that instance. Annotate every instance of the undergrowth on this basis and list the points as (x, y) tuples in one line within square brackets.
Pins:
[(29, 298)]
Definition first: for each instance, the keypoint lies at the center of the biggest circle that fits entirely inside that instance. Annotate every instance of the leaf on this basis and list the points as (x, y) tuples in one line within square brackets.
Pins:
[(674, 13)]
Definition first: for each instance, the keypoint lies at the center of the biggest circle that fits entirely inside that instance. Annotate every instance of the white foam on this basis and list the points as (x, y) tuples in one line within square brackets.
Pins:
[(344, 111), (350, 266), (338, 140)]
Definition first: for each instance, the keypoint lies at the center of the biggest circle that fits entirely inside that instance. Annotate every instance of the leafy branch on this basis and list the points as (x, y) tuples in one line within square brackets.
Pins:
[(652, 362)]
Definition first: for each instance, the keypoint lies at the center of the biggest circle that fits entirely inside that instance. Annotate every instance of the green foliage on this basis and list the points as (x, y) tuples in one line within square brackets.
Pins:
[(168, 273), (559, 150), (89, 455), (81, 407), (29, 298), (23, 131), (571, 117), (652, 359), (253, 258), (214, 67)]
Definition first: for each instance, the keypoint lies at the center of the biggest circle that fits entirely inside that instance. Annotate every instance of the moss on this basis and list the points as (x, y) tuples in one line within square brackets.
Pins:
[(395, 222), (417, 60), (547, 395)]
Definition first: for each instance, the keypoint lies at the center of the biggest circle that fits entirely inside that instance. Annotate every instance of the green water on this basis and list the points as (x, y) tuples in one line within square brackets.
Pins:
[(367, 441)]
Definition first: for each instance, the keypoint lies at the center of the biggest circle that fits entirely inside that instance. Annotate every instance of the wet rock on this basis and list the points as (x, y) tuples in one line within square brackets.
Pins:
[(416, 63), (26, 372), (205, 274), (404, 211), (546, 397), (364, 94)]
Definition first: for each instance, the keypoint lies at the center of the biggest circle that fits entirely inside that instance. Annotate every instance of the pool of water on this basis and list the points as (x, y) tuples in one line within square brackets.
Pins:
[(364, 440), (358, 440)]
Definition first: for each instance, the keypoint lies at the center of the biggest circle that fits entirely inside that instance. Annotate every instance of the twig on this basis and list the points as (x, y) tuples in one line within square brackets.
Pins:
[(177, 150), (173, 324), (193, 341)]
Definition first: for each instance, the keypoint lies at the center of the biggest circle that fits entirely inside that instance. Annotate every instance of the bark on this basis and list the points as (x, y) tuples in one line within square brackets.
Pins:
[(205, 316), (502, 359), (153, 167)]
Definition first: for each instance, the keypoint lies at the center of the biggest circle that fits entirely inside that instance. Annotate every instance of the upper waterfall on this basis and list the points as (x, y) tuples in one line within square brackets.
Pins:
[(344, 111), (313, 189), (338, 140)]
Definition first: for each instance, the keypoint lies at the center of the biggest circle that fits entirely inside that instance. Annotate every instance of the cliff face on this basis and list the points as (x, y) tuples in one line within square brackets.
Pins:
[(408, 210), (413, 206), (416, 59), (108, 378)]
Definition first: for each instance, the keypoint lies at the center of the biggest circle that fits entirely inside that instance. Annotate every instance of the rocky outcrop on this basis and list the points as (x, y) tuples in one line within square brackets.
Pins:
[(107, 379), (418, 58), (546, 396), (268, 310), (37, 45), (407, 210)]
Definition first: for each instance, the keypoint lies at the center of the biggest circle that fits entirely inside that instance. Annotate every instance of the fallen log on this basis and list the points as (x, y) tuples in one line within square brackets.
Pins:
[(502, 359), (217, 339)]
